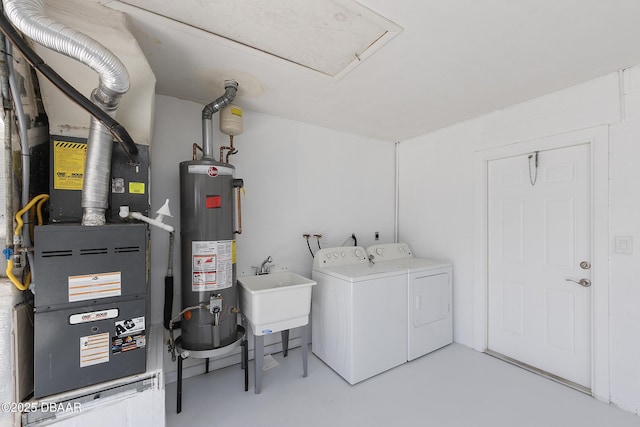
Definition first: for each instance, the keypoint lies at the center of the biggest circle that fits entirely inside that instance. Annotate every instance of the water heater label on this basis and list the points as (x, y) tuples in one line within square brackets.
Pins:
[(93, 286), (94, 349), (207, 170), (213, 202), (212, 265)]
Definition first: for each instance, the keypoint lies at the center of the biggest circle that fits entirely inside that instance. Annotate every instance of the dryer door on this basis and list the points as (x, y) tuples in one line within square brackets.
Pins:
[(430, 321)]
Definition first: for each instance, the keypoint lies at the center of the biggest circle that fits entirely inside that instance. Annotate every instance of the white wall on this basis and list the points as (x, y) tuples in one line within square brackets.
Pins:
[(437, 200), (625, 268), (298, 178)]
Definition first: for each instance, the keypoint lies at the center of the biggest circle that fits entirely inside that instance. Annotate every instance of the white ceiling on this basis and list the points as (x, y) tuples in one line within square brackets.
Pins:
[(453, 60)]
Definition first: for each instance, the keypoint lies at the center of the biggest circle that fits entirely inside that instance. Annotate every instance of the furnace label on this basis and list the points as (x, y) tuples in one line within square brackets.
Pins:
[(94, 349), (212, 266), (94, 286), (136, 187), (68, 165)]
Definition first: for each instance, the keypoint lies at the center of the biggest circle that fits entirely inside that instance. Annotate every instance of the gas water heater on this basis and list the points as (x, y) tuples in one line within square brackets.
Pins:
[(208, 248)]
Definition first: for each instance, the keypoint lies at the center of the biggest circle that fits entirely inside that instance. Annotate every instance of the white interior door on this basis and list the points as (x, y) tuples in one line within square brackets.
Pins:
[(538, 235)]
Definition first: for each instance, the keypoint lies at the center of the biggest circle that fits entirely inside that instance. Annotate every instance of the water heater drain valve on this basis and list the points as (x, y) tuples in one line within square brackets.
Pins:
[(215, 307)]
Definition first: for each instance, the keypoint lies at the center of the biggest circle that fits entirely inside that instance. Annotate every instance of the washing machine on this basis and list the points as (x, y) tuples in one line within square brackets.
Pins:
[(429, 321), (358, 313)]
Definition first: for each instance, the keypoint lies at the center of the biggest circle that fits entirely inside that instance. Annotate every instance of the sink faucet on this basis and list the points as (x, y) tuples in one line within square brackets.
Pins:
[(264, 268)]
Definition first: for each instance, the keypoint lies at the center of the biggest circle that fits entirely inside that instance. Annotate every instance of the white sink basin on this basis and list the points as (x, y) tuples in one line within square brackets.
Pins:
[(275, 302)]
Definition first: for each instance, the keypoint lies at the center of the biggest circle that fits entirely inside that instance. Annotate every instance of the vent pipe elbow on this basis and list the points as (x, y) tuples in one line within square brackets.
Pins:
[(30, 18), (231, 89)]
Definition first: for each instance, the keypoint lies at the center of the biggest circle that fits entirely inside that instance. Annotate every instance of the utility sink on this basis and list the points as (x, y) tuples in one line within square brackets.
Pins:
[(275, 302)]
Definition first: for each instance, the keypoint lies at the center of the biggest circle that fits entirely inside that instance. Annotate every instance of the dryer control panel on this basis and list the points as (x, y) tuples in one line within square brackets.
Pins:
[(389, 251)]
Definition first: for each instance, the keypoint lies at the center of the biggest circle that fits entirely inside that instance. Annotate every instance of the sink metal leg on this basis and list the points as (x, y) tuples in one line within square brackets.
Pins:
[(285, 342), (258, 348), (305, 348), (245, 363), (206, 366), (179, 392)]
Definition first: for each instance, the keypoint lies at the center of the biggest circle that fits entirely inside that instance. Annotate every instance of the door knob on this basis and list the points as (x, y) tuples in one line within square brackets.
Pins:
[(585, 283)]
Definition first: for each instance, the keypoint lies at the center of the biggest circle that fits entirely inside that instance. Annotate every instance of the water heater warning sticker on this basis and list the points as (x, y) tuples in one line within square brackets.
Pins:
[(212, 267)]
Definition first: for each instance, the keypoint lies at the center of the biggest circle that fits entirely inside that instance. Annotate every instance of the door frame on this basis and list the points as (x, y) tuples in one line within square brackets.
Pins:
[(598, 140)]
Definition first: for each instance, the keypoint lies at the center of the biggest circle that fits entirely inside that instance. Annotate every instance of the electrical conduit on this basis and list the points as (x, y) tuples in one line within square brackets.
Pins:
[(24, 143)]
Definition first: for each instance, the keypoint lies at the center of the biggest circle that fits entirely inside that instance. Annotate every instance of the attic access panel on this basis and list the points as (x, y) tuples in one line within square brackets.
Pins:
[(330, 37)]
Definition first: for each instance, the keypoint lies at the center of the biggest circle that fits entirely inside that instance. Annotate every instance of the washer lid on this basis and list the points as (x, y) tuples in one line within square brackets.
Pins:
[(361, 272)]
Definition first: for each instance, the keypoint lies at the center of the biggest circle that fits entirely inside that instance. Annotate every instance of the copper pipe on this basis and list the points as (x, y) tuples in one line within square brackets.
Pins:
[(232, 150), (196, 147)]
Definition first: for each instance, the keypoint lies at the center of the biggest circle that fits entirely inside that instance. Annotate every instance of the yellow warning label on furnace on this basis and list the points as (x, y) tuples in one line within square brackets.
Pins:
[(68, 165), (136, 187)]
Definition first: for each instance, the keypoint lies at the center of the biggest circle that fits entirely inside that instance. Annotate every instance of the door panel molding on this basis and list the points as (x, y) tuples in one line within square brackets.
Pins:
[(598, 140)]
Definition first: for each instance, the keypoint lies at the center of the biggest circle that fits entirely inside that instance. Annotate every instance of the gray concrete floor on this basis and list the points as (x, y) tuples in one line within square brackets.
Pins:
[(454, 386)]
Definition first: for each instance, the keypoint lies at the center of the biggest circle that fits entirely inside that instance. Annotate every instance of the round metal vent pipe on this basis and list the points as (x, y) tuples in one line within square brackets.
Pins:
[(30, 18), (231, 88)]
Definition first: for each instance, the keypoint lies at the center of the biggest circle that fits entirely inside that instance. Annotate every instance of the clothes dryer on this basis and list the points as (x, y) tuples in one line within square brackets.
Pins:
[(429, 296), (358, 312)]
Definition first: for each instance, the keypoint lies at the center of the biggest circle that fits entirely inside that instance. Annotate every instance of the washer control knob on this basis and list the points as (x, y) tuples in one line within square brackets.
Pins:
[(379, 251), (342, 254), (335, 254), (358, 253)]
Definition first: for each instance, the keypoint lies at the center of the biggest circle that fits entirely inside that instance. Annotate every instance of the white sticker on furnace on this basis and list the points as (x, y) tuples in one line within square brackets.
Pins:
[(94, 286), (212, 267), (94, 349), (93, 316), (130, 326)]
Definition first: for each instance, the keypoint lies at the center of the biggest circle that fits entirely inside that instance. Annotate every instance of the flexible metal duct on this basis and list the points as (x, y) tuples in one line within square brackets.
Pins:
[(231, 88), (29, 17)]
